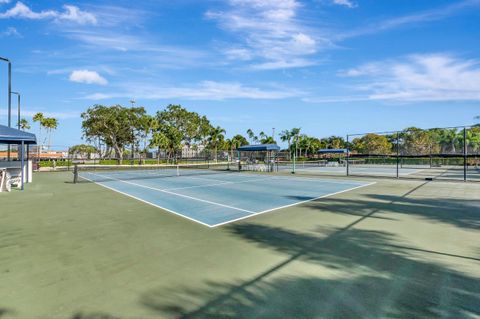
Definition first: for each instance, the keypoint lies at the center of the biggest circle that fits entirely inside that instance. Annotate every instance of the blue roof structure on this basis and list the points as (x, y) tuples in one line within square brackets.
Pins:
[(10, 135), (332, 151), (259, 147)]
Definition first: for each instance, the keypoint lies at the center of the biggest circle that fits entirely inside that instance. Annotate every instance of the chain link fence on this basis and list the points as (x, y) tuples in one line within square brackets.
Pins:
[(440, 153)]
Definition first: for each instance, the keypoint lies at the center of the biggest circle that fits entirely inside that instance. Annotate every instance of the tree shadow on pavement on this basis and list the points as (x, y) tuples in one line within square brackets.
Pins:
[(383, 281)]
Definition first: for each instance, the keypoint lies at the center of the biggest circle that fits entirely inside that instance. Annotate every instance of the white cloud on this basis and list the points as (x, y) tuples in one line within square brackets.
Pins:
[(421, 77), (269, 32), (411, 19), (4, 1), (70, 13), (206, 90), (346, 3), (87, 77), (74, 14), (10, 32)]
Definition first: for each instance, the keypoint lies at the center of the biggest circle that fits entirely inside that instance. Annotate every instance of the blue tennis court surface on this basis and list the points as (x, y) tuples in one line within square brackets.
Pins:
[(215, 199)]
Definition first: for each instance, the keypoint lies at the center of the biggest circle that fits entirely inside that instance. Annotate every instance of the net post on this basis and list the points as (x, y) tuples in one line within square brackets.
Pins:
[(398, 154), (348, 155), (75, 173), (464, 154), (178, 169)]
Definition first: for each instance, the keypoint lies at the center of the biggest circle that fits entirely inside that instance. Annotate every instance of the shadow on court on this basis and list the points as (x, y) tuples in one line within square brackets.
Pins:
[(384, 282), (385, 279)]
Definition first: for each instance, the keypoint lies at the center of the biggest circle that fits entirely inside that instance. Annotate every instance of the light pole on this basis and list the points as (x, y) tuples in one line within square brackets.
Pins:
[(9, 90), (273, 133), (9, 98), (18, 110)]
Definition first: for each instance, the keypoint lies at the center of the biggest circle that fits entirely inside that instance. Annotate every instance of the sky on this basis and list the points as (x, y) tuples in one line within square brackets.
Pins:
[(331, 67)]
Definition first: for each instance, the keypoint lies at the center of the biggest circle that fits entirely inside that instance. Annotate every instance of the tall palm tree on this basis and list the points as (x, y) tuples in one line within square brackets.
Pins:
[(295, 132), (24, 125), (38, 117), (216, 138), (50, 124), (286, 136), (251, 135)]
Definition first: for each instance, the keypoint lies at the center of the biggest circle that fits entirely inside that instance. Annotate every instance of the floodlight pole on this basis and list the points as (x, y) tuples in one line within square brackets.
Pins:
[(18, 110), (9, 98)]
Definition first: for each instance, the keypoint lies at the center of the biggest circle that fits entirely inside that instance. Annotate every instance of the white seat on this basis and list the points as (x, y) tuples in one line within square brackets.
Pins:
[(10, 177)]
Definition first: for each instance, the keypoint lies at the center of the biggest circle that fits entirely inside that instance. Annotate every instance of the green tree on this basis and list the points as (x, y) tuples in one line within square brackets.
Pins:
[(50, 124), (267, 140), (24, 125), (38, 117), (146, 125), (334, 142), (372, 144), (295, 134), (114, 126), (82, 150), (286, 136), (159, 141), (235, 142), (215, 139), (181, 126), (251, 135)]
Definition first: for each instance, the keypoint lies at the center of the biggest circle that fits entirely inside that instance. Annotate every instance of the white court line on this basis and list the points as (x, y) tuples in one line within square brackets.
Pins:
[(176, 194), (290, 205)]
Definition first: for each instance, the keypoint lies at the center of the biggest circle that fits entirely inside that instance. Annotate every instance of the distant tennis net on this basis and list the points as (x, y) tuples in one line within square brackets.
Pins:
[(99, 173)]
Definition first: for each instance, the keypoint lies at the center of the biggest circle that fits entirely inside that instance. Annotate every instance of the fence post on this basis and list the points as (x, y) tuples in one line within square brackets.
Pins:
[(464, 154), (348, 156), (398, 154)]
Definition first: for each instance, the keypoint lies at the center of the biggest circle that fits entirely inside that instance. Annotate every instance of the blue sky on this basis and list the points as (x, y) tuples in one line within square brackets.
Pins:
[(327, 66)]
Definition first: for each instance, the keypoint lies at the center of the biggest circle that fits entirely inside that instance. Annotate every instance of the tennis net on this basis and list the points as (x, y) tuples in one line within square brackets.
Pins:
[(101, 173)]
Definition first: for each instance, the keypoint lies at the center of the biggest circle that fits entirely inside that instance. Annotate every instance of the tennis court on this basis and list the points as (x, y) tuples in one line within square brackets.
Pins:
[(213, 195)]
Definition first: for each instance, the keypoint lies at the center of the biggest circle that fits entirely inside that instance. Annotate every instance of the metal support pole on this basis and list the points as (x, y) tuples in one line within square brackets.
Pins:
[(294, 156), (18, 115), (398, 154), (18, 108), (239, 161), (28, 162), (9, 94), (348, 155), (465, 154), (22, 163), (9, 98)]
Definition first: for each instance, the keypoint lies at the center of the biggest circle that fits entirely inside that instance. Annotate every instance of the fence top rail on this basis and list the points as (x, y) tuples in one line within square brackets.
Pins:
[(403, 131)]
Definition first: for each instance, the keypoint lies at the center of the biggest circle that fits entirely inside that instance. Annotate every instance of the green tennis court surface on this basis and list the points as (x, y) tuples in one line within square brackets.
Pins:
[(394, 249)]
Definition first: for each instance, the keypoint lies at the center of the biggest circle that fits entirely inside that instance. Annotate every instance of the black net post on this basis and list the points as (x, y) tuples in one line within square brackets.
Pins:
[(75, 173), (465, 154)]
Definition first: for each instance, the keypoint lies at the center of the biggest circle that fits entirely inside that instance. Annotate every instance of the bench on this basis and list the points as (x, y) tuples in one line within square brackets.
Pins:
[(10, 176)]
